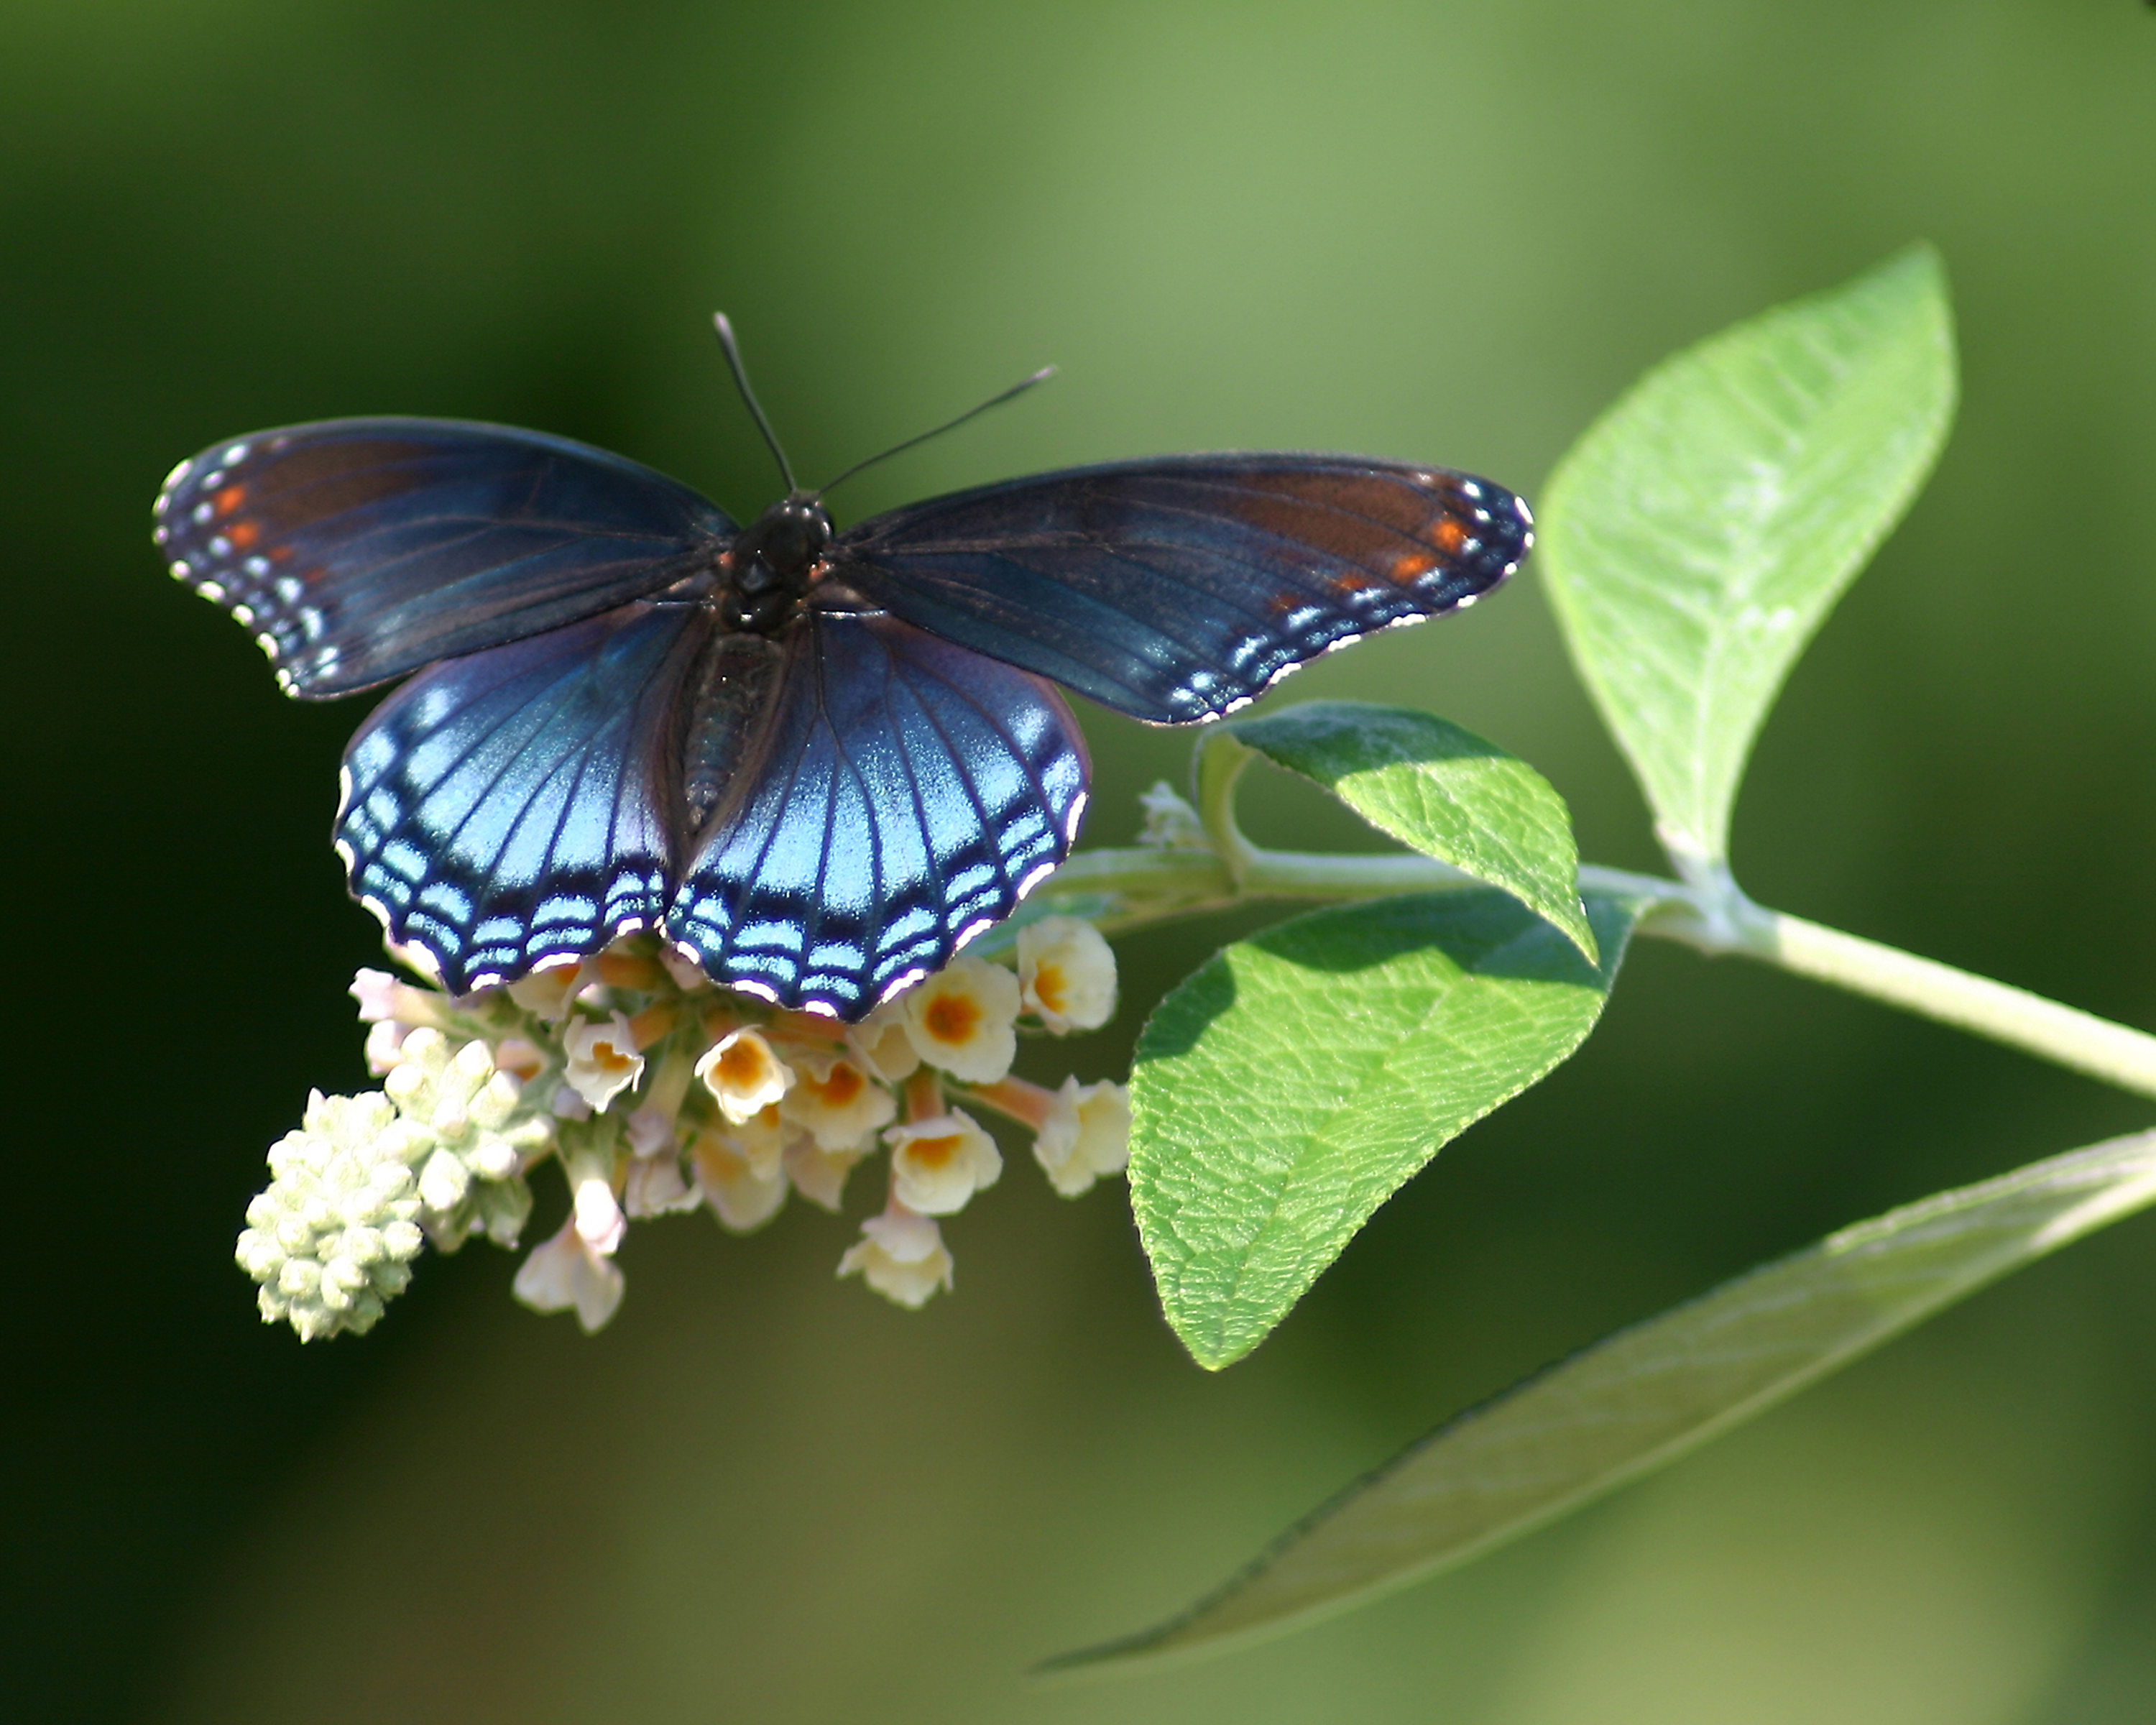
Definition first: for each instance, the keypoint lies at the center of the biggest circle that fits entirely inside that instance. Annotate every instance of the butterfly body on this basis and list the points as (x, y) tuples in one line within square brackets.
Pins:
[(818, 760)]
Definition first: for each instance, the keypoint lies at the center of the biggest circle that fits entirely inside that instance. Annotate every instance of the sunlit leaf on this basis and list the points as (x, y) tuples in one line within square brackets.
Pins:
[(1696, 536), (1648, 1394), (1441, 790), (1287, 1088)]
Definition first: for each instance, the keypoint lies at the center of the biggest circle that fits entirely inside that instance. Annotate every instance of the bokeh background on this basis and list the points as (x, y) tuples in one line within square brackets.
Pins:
[(1448, 231)]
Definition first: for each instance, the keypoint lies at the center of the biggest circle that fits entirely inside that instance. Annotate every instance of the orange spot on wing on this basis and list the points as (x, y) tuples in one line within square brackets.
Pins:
[(1349, 581), (1449, 535), (1412, 566), (230, 499), (242, 535)]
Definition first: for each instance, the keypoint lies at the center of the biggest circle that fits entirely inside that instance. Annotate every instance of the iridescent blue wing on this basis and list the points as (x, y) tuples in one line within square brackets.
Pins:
[(358, 550), (904, 794), (511, 806), (1176, 590)]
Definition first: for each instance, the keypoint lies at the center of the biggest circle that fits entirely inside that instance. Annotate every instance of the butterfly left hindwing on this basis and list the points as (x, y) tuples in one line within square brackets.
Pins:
[(511, 806)]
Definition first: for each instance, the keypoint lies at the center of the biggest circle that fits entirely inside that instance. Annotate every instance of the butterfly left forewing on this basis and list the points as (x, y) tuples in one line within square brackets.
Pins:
[(358, 550), (1178, 589), (905, 796)]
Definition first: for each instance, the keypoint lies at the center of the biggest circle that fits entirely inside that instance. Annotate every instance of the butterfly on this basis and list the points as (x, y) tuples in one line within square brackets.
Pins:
[(817, 761)]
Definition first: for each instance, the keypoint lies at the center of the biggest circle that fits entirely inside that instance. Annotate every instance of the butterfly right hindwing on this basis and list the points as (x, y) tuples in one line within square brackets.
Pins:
[(907, 794)]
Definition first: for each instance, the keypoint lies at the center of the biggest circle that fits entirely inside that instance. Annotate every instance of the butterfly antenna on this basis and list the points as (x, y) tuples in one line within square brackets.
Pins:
[(756, 409), (994, 401)]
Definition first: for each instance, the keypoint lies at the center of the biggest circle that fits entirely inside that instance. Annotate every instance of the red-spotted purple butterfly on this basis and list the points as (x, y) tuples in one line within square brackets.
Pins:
[(820, 760)]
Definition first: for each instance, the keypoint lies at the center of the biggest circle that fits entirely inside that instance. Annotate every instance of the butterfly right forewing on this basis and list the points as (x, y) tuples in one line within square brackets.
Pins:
[(1178, 589)]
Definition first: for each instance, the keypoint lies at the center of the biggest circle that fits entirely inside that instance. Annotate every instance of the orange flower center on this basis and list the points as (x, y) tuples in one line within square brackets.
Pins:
[(610, 1059), (741, 1066), (952, 1018), (842, 1087), (1051, 987), (934, 1152)]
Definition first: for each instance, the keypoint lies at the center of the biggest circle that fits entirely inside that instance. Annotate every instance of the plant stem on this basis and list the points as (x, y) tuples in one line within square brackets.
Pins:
[(2013, 1016), (1134, 887)]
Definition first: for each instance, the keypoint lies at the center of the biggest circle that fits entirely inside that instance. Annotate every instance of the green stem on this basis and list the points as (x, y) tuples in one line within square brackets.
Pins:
[(1131, 888)]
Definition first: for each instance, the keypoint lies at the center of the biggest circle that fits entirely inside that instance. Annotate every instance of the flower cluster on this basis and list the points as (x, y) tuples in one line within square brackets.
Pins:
[(656, 1092)]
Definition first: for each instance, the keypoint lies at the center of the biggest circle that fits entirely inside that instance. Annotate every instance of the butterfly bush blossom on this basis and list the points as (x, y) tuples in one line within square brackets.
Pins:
[(656, 1092)]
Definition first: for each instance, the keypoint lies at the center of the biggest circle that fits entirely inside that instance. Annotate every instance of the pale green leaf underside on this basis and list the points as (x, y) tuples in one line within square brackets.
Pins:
[(1696, 538), (1442, 791), (1647, 1395), (1288, 1086)]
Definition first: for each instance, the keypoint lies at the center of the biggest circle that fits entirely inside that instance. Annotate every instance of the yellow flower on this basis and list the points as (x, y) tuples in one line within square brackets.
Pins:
[(1066, 974), (742, 1195), (937, 1164), (569, 1272), (818, 1174), (744, 1074), (961, 1020), (545, 993), (603, 1059), (881, 1044), (1087, 1134), (836, 1102), (900, 1256)]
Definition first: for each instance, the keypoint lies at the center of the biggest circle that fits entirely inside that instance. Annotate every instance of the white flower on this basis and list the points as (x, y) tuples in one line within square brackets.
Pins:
[(961, 1019), (937, 1164), (376, 991), (569, 1272), (472, 1131), (881, 1044), (655, 1187), (836, 1102), (1170, 823), (596, 1214), (545, 993), (651, 1130), (744, 1074), (383, 998), (741, 1195), (385, 1045), (332, 1237), (519, 1056), (603, 1059), (901, 1257), (818, 1174), (759, 1141), (1087, 1134), (1066, 974), (685, 969)]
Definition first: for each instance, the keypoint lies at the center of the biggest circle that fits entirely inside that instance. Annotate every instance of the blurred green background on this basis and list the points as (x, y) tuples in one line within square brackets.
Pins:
[(1445, 231)]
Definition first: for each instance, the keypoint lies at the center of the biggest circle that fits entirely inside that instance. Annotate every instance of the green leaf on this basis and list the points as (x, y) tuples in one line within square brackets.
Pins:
[(1648, 1394), (1696, 536), (1442, 791), (1287, 1088)]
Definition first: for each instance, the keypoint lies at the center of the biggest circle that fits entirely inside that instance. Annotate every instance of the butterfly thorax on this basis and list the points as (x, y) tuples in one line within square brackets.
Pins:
[(766, 570)]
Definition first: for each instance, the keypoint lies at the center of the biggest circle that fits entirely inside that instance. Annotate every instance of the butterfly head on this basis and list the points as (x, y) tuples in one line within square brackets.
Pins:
[(771, 566)]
